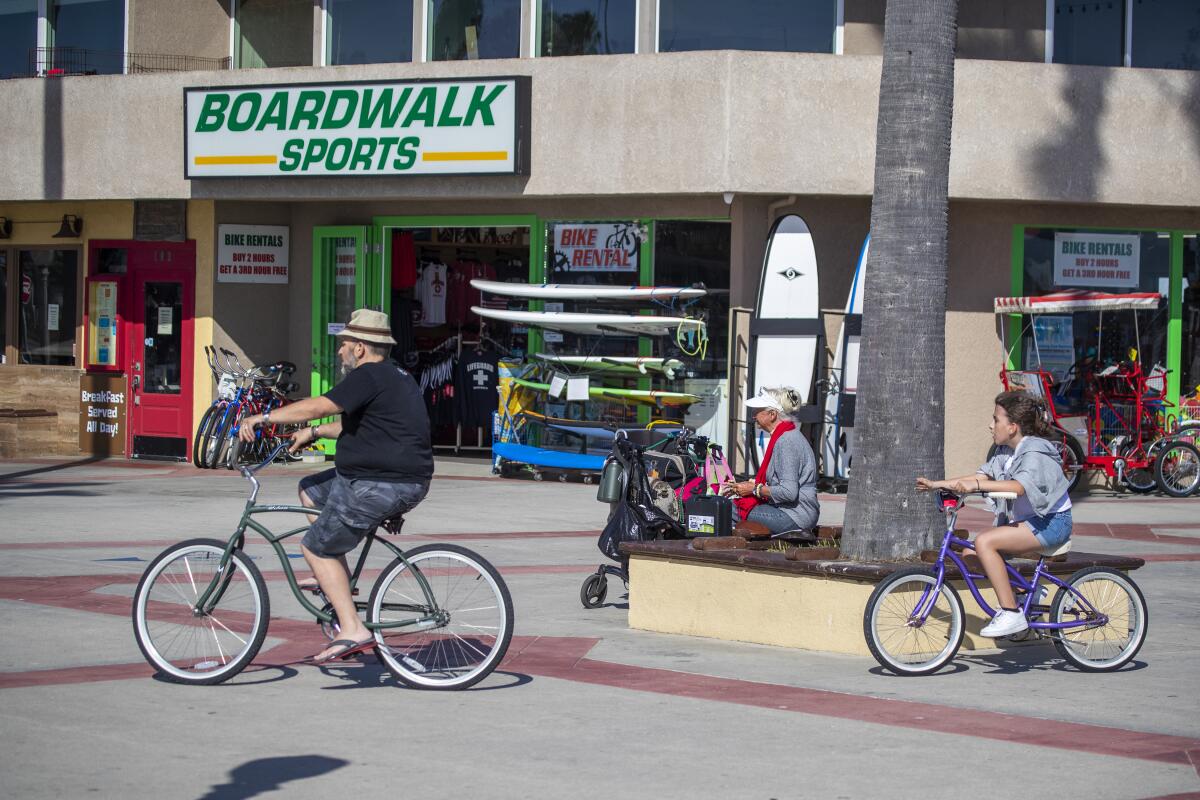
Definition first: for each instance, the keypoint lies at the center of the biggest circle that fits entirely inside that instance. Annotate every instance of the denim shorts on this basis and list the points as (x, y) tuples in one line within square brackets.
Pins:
[(351, 508), (1051, 530)]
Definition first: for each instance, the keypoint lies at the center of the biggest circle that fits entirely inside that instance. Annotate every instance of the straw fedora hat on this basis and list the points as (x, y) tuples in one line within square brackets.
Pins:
[(368, 325)]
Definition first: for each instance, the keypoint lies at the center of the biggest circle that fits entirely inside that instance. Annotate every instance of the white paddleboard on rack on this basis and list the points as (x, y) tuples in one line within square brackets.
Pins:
[(785, 329), (570, 291), (634, 324), (837, 437), (631, 364)]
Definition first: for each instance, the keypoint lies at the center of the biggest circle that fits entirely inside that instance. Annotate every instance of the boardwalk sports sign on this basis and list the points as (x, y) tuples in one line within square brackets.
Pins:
[(452, 127)]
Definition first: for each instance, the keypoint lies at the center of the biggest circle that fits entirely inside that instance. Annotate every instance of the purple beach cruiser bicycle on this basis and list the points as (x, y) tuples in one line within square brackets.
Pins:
[(914, 621)]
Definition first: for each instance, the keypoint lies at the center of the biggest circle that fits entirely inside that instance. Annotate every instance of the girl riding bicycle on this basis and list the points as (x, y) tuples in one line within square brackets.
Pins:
[(1027, 464)]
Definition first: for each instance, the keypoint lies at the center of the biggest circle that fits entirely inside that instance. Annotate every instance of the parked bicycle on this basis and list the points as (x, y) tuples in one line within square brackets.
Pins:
[(914, 621), (441, 614), (241, 391)]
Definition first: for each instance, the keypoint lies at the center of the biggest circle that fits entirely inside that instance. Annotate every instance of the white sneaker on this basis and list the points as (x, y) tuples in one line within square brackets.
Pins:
[(1005, 623)]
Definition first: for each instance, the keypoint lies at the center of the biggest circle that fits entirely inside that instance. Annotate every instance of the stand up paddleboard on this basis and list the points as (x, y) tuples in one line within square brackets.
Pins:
[(569, 291), (632, 324), (622, 364), (786, 330), (837, 435), (650, 396)]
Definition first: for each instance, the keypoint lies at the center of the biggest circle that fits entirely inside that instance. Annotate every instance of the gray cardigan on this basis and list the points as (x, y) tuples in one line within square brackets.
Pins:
[(792, 479), (1037, 466)]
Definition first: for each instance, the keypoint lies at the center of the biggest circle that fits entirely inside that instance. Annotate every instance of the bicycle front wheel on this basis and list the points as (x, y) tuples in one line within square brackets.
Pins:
[(201, 648), (462, 625), (899, 639), (1096, 646), (1177, 468)]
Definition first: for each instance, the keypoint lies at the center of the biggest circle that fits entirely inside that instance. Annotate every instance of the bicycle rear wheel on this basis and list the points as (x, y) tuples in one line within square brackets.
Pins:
[(901, 643), (199, 649), (1100, 648), (470, 611)]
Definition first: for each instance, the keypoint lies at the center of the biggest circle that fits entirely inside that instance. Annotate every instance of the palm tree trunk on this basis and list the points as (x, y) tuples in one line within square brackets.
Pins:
[(901, 390)]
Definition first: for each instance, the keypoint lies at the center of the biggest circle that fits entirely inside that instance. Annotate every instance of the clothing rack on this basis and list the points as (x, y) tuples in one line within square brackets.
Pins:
[(458, 432)]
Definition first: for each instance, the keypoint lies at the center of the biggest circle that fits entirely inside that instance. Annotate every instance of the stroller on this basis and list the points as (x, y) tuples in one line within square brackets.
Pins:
[(645, 508)]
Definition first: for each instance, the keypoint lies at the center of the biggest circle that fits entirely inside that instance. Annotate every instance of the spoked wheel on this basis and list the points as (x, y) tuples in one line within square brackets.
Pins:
[(1140, 481), (900, 641), (593, 591), (459, 635), (1177, 469), (1105, 646), (198, 439), (187, 647)]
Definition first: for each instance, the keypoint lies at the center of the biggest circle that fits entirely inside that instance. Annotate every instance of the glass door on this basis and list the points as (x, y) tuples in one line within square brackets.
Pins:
[(160, 357), (345, 277)]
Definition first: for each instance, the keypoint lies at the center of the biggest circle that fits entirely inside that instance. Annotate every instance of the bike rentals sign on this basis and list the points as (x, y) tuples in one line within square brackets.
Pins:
[(1097, 260), (450, 127)]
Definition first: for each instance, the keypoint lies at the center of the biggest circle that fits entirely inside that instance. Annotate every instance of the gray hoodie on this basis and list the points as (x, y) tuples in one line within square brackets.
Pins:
[(1037, 467)]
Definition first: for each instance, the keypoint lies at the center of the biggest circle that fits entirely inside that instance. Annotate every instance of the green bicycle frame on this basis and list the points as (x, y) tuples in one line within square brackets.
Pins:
[(432, 615)]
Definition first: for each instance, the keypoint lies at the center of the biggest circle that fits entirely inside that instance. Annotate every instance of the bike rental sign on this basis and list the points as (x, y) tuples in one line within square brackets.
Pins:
[(446, 127)]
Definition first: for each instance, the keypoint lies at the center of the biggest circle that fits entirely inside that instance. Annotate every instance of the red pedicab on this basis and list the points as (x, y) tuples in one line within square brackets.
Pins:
[(1122, 423)]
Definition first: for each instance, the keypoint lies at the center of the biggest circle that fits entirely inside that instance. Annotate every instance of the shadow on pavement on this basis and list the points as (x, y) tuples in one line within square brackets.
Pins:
[(363, 675), (82, 462), (268, 774)]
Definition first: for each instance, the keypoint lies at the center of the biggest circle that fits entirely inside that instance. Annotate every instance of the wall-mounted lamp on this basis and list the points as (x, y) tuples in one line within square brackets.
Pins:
[(5, 227), (728, 196), (71, 227)]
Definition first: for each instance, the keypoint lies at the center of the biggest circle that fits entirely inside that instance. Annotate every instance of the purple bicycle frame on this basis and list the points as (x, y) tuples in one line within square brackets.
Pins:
[(925, 604)]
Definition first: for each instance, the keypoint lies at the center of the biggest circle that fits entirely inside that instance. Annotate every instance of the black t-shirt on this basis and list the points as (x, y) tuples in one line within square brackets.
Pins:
[(385, 430), (475, 387)]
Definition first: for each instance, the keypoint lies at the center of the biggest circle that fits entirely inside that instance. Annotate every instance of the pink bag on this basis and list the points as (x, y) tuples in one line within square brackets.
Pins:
[(693, 488)]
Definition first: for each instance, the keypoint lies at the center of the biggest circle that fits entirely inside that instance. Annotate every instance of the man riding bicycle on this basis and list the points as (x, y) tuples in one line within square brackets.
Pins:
[(384, 462)]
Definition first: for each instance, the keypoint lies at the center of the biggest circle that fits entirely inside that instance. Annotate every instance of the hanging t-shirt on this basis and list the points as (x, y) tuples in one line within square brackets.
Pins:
[(404, 260), (476, 379), (431, 293), (462, 295)]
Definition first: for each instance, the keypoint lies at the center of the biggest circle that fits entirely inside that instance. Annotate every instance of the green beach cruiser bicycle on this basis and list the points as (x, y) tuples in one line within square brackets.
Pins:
[(441, 615)]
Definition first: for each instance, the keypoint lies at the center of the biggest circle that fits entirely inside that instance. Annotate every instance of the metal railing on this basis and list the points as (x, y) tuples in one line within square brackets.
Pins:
[(52, 62)]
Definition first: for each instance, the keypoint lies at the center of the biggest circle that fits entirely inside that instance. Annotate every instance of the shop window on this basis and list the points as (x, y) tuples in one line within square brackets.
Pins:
[(18, 33), (686, 253), (48, 306), (112, 261), (793, 26), (1108, 261), (1166, 34), (1189, 363), (466, 30), (97, 26), (274, 33), (1089, 33), (587, 27), (369, 31)]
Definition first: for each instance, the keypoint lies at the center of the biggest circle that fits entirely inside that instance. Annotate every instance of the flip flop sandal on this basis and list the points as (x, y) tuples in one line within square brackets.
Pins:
[(349, 648)]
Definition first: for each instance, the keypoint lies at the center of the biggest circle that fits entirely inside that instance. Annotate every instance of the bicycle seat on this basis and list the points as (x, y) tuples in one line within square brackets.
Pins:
[(1061, 550)]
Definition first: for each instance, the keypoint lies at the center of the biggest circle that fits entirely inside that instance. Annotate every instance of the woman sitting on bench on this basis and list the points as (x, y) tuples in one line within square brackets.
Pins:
[(783, 494)]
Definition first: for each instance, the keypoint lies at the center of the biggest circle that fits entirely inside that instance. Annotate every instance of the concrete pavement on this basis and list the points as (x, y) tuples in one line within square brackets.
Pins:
[(583, 704)]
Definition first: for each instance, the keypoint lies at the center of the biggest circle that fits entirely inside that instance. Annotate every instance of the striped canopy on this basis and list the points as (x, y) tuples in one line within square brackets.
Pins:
[(1070, 300)]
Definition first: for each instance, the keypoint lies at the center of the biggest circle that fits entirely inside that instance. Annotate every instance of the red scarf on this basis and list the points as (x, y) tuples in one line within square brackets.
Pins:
[(745, 504)]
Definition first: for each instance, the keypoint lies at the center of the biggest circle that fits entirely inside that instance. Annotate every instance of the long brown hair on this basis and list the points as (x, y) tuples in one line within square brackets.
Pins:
[(1027, 412)]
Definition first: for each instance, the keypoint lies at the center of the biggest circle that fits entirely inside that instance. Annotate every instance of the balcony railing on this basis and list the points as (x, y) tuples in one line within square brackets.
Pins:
[(51, 62)]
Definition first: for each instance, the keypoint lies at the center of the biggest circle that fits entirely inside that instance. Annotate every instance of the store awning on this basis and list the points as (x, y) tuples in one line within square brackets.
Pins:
[(1072, 300)]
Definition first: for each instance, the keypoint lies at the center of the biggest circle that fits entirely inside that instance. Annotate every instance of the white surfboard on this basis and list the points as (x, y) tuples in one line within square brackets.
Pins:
[(634, 324), (785, 329), (837, 438), (568, 291), (638, 364)]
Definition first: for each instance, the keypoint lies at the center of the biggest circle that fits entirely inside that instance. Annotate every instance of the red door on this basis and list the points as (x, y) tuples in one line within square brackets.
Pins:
[(160, 356)]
